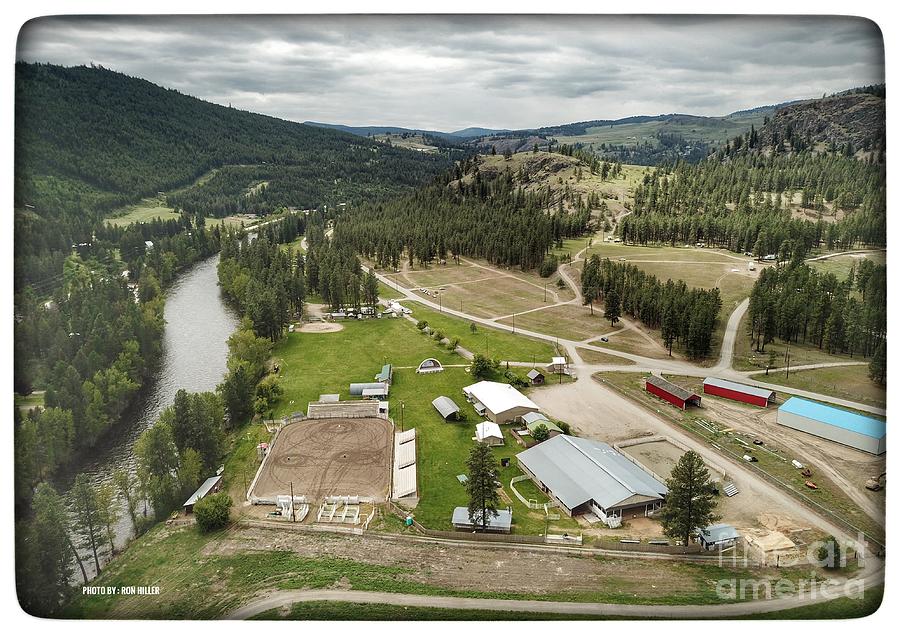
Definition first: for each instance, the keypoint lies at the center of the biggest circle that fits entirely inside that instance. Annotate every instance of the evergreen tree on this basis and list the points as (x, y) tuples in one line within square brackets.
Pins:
[(612, 308), (481, 485), (690, 503)]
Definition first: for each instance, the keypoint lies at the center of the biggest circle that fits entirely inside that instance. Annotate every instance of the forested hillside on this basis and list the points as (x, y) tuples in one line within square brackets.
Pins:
[(756, 202), (89, 140), (490, 217)]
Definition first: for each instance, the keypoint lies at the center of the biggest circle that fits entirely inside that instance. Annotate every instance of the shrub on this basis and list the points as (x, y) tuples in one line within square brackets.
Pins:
[(540, 433), (453, 344), (421, 325), (213, 512), (564, 427)]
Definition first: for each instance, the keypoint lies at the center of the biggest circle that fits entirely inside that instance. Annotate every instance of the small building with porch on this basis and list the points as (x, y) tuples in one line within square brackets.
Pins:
[(535, 377), (499, 402)]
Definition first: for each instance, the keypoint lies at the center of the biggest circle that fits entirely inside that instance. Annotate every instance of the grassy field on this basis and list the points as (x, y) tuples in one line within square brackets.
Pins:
[(491, 295), (848, 382), (568, 321), (206, 576), (592, 356), (829, 495), (840, 265), (494, 343), (144, 211), (326, 363), (25, 403)]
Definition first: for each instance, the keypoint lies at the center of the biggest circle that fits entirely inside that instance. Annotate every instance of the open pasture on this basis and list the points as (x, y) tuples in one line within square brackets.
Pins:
[(146, 210)]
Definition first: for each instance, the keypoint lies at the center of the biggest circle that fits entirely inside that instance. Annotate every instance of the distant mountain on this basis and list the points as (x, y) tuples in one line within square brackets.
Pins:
[(372, 130), (471, 133)]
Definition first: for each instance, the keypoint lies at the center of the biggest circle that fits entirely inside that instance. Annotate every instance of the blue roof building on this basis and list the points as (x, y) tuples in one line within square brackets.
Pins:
[(832, 423)]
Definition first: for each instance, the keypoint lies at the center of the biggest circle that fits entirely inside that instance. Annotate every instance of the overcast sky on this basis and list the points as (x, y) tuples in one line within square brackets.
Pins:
[(446, 73)]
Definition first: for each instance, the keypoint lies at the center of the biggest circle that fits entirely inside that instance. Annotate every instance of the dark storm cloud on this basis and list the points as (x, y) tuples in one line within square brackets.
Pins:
[(448, 72)]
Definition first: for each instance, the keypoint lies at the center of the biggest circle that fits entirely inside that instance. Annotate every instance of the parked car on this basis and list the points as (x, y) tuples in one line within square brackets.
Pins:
[(604, 339), (750, 458)]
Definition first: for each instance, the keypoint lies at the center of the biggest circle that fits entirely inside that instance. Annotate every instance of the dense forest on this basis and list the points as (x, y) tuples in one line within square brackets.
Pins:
[(466, 214), (742, 203), (687, 316), (795, 303), (89, 140)]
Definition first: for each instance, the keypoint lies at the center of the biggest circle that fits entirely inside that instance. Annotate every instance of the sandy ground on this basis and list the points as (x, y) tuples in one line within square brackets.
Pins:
[(600, 413), (849, 468), (332, 456), (321, 326), (658, 456)]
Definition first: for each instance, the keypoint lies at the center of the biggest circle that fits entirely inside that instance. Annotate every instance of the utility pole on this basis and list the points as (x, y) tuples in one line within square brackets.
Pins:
[(402, 407), (514, 323), (293, 516), (545, 292)]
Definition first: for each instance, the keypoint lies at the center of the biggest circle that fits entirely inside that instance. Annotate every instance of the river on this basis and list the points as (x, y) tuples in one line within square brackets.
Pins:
[(194, 355)]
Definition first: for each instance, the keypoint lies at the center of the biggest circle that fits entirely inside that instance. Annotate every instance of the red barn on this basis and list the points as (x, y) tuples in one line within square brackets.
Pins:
[(738, 392), (676, 395)]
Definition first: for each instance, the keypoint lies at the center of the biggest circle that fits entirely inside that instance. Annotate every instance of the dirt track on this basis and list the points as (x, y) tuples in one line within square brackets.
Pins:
[(334, 456)]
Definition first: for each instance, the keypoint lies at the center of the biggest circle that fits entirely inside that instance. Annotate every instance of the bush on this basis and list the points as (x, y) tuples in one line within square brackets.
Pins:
[(564, 427), (548, 266), (213, 512), (421, 325), (541, 433), (453, 344)]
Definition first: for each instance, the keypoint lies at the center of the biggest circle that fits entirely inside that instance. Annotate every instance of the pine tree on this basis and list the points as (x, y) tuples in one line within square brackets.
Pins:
[(482, 486), (690, 503), (612, 307)]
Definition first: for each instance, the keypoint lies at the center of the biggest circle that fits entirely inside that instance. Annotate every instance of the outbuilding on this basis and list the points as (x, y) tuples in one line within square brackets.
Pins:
[(832, 423), (738, 392), (429, 366), (675, 394), (499, 523), (534, 420), (446, 407), (488, 433), (719, 536), (558, 365), (587, 476), (500, 402), (358, 389), (386, 375), (210, 486), (535, 377)]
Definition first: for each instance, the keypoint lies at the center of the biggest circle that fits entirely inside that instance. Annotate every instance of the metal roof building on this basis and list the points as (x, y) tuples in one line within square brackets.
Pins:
[(738, 391), (834, 424), (535, 376), (674, 394), (386, 375), (500, 523), (356, 389), (501, 401), (211, 485), (446, 407), (488, 433), (718, 535), (533, 419), (588, 476)]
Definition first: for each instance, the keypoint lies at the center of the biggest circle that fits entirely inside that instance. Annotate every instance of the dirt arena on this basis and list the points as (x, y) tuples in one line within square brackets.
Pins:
[(329, 456)]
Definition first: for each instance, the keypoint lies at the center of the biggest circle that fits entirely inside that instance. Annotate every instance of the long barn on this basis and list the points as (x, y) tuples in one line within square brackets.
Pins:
[(675, 394), (834, 424), (738, 392)]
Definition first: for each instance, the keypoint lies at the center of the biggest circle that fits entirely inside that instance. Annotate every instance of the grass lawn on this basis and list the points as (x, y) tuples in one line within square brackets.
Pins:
[(497, 344), (492, 295), (848, 382), (840, 265), (144, 211), (326, 363), (592, 356), (829, 495), (443, 448), (25, 403), (296, 245), (387, 292), (568, 321)]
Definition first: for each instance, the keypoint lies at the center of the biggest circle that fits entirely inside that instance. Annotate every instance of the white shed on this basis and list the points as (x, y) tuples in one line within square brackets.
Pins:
[(488, 433)]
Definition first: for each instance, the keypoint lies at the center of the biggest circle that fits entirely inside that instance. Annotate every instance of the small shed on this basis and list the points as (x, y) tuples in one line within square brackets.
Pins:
[(429, 366), (379, 393), (488, 433), (356, 389), (718, 536), (211, 485), (499, 523), (558, 365), (532, 422), (675, 394), (386, 375), (535, 377), (446, 407)]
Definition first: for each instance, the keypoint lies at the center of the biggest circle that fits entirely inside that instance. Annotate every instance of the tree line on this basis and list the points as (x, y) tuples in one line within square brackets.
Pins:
[(795, 303), (683, 315), (476, 215)]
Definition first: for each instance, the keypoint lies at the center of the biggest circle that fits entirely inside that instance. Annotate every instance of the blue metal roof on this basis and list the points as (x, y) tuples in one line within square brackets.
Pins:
[(836, 417)]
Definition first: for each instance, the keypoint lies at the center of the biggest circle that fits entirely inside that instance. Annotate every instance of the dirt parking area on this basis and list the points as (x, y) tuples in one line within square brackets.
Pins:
[(321, 326), (333, 456), (658, 456)]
